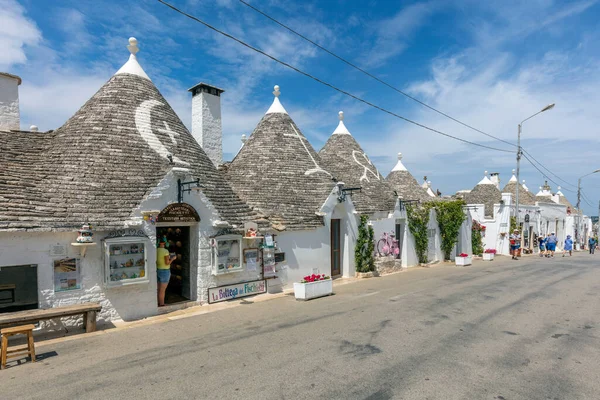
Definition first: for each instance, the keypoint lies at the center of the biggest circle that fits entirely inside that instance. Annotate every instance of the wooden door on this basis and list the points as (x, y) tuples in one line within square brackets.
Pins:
[(336, 248)]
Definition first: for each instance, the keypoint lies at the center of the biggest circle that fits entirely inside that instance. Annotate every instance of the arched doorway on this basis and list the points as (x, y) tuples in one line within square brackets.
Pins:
[(174, 224)]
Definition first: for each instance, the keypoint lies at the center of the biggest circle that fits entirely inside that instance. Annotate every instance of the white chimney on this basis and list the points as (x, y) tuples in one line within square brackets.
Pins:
[(206, 120), (495, 178), (9, 102)]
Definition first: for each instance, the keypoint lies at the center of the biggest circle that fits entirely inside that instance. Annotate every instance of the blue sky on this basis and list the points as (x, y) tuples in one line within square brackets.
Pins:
[(490, 64)]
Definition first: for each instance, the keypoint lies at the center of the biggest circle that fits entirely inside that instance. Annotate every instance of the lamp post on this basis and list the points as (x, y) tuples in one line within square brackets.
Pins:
[(519, 152)]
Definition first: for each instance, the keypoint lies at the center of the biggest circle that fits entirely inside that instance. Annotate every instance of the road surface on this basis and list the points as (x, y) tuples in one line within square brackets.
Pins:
[(505, 329)]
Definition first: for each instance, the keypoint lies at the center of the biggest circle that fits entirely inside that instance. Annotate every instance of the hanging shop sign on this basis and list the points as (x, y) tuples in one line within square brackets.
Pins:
[(235, 291), (526, 217), (178, 212)]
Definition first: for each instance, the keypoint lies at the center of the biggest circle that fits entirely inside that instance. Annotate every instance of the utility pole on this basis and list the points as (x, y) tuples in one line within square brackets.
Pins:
[(578, 193), (518, 168)]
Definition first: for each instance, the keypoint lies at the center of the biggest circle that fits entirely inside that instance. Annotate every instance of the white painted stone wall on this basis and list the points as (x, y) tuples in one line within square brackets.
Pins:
[(9, 103), (206, 125), (435, 253), (127, 302)]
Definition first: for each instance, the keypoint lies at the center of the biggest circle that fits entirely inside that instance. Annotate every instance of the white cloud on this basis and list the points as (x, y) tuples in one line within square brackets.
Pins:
[(16, 32), (393, 34)]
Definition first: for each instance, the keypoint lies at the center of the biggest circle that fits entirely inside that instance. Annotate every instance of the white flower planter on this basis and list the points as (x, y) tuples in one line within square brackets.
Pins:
[(488, 256), (311, 290), (464, 261)]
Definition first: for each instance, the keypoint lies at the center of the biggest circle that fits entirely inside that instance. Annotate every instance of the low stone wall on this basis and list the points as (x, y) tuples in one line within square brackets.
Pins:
[(387, 265)]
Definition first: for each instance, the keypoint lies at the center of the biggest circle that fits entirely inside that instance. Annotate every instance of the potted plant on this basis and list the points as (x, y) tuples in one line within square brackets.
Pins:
[(313, 286), (488, 255), (463, 259)]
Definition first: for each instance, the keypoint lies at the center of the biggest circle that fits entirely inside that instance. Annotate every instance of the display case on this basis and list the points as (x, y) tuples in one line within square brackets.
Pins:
[(227, 254), (125, 261)]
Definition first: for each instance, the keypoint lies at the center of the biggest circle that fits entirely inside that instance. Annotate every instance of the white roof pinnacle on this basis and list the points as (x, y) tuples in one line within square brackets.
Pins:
[(559, 193), (276, 107), (341, 128), (525, 187), (486, 180), (399, 166), (132, 66), (513, 178)]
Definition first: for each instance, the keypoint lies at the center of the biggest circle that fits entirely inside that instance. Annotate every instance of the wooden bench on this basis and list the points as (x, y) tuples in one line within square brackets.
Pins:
[(88, 310), (19, 351)]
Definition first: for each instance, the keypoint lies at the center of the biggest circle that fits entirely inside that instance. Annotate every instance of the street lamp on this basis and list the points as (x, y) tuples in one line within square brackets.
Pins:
[(519, 152)]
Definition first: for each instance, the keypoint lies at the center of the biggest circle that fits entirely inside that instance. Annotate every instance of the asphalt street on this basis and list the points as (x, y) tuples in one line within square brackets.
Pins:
[(526, 329)]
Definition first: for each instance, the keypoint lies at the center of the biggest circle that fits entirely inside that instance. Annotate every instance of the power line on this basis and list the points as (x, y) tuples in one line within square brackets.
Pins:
[(586, 199), (542, 165), (545, 175), (370, 74), (325, 83)]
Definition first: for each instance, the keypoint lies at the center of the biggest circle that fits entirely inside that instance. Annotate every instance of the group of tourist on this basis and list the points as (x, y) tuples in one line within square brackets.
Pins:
[(547, 245)]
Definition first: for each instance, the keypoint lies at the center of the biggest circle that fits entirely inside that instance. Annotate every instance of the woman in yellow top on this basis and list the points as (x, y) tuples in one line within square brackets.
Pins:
[(163, 271)]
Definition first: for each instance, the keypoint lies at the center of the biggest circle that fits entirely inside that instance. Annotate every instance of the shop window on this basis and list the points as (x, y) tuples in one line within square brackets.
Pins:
[(18, 288), (227, 254), (125, 261)]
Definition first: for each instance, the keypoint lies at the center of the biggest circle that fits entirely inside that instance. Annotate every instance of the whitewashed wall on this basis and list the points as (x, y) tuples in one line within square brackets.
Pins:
[(206, 125), (9, 103), (434, 253), (552, 219), (127, 302)]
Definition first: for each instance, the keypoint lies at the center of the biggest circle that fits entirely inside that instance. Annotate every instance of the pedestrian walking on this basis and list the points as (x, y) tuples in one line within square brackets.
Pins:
[(568, 246), (542, 245), (592, 244), (551, 245), (515, 244)]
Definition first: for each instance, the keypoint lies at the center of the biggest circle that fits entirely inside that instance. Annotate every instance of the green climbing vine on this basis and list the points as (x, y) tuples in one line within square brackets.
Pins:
[(418, 219), (450, 216), (476, 238), (513, 224), (364, 252)]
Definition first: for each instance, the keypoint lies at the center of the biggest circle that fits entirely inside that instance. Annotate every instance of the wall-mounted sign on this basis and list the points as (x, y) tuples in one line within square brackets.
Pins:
[(526, 217), (178, 212), (230, 292), (58, 250)]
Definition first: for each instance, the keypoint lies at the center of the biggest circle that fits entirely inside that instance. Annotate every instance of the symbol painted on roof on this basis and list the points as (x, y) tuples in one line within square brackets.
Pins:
[(316, 168), (367, 168), (143, 122)]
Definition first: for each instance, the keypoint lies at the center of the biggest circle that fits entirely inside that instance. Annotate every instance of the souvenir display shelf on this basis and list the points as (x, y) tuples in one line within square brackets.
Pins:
[(125, 261), (227, 254)]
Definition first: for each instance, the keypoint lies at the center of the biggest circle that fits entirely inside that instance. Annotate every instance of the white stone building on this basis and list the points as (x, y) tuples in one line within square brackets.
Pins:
[(125, 164)]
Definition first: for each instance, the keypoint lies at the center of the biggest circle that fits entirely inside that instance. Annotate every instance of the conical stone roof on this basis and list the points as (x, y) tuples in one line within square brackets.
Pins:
[(525, 198), (345, 159), (107, 158), (407, 187), (486, 193), (279, 174)]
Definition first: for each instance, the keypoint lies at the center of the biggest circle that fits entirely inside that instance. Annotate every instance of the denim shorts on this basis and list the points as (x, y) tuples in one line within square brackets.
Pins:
[(551, 246), (163, 275)]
